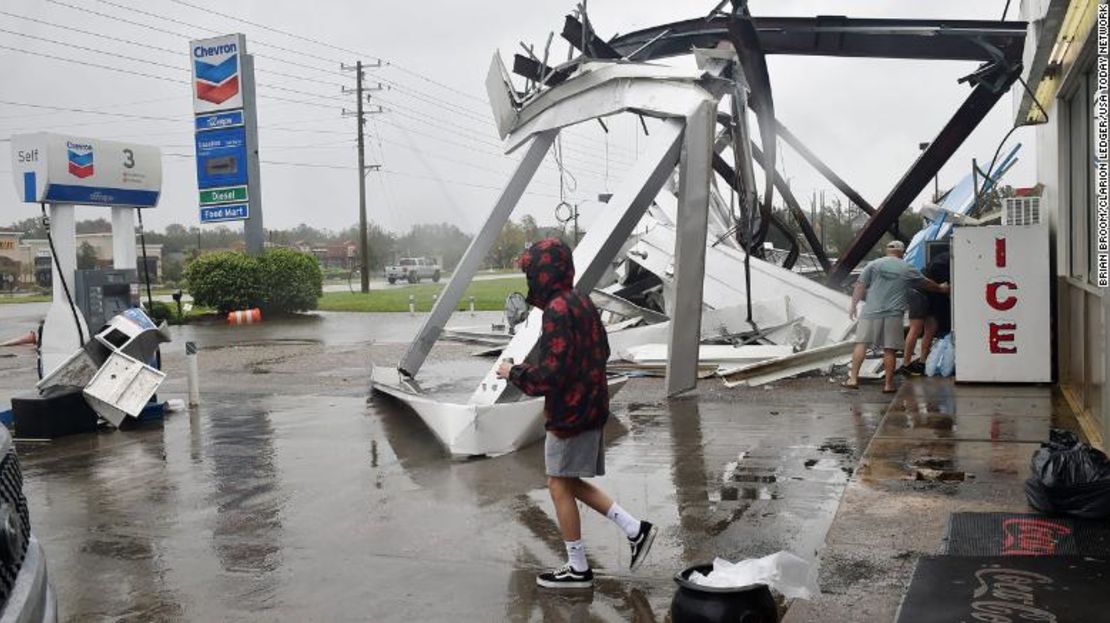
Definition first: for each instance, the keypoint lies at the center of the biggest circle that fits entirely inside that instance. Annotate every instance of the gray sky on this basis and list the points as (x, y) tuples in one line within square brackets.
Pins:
[(441, 161)]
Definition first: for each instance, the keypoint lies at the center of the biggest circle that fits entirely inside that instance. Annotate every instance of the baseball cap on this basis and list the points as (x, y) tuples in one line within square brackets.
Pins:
[(895, 245)]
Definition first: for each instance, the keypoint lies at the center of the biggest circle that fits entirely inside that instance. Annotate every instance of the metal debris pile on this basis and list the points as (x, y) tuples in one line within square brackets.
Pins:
[(686, 280)]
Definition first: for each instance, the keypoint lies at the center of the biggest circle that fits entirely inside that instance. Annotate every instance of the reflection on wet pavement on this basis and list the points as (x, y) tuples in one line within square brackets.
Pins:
[(271, 502)]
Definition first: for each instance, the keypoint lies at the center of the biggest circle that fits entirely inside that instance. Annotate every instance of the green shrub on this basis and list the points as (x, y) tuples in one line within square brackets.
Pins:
[(225, 281), (160, 311), (291, 280), (281, 281)]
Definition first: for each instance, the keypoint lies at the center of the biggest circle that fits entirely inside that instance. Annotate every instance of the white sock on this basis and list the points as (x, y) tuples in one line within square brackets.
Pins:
[(576, 555), (628, 523)]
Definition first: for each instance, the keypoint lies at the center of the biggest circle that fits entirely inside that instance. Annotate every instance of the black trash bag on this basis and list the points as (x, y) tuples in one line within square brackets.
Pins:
[(1069, 478)]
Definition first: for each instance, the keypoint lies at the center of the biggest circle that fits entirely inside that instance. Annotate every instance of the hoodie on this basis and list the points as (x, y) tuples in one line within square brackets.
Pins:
[(569, 363)]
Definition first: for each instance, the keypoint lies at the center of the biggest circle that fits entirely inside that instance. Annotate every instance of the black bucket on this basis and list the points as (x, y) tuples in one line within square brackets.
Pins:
[(705, 604)]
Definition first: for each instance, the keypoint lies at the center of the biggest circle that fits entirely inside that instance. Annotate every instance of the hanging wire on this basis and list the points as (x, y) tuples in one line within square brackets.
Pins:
[(607, 162)]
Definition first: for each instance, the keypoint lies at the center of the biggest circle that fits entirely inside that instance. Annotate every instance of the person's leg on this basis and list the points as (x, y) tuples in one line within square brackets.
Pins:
[(598, 500), (930, 333), (566, 507), (570, 523), (917, 327), (858, 353), (592, 496), (889, 359)]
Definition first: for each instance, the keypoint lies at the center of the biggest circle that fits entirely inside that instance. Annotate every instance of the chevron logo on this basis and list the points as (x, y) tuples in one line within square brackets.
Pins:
[(217, 82), (80, 160)]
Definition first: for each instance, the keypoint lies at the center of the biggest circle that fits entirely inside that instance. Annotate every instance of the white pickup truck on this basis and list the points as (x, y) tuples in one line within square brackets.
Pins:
[(413, 269)]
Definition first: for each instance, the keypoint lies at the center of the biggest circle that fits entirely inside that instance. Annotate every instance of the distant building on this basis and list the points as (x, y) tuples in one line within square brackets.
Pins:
[(32, 262)]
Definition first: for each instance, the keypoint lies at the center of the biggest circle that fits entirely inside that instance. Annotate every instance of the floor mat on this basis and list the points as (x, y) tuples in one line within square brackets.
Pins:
[(1018, 534), (1006, 588)]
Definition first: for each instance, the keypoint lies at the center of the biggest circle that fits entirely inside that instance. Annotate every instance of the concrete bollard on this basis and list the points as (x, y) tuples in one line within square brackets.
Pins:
[(193, 373), (472, 306), (412, 305)]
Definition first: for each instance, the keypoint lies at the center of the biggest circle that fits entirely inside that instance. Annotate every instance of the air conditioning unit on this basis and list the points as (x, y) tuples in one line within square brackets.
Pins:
[(1021, 210)]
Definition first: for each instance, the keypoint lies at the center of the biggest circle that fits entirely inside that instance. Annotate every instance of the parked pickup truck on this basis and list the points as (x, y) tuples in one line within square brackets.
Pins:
[(413, 269), (25, 591)]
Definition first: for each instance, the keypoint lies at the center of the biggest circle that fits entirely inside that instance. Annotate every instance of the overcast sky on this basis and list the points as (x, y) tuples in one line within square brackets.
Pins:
[(435, 141)]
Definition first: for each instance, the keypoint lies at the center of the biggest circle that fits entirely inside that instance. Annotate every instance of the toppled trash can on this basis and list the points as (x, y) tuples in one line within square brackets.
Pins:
[(695, 603), (741, 591), (1069, 478)]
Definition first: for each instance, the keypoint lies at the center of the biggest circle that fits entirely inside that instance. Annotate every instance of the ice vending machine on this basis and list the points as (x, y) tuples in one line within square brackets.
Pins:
[(1001, 304)]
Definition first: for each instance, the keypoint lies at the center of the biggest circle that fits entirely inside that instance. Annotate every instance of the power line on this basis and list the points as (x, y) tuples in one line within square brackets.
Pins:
[(92, 111), (165, 78), (88, 64), (154, 47), (299, 37), (465, 132)]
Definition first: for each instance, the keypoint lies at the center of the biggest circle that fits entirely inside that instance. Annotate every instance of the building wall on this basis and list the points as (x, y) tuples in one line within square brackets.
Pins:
[(1059, 65), (1066, 158)]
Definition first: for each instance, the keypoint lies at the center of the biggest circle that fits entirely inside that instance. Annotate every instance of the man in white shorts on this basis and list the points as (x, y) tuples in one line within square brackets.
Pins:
[(884, 283)]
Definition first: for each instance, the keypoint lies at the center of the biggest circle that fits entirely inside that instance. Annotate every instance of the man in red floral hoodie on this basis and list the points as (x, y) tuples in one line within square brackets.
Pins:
[(569, 372)]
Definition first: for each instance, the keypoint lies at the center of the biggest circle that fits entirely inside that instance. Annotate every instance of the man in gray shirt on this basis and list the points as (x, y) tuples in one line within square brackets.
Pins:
[(884, 282)]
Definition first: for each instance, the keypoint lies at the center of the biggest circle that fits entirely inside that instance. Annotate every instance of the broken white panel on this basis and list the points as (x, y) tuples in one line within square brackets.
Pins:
[(708, 354), (768, 315), (787, 366), (468, 430), (596, 251), (824, 311), (122, 387)]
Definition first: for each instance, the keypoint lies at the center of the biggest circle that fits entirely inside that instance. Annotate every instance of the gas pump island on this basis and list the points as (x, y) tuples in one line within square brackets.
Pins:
[(58, 172)]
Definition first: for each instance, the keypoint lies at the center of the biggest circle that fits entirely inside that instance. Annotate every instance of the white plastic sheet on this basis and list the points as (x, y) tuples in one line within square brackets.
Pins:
[(784, 572)]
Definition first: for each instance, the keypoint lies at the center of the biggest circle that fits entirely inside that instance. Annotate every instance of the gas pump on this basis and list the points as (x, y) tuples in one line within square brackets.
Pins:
[(58, 172)]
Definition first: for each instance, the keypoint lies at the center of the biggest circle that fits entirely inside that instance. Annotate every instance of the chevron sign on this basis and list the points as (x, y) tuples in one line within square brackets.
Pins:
[(80, 159), (216, 73), (217, 83)]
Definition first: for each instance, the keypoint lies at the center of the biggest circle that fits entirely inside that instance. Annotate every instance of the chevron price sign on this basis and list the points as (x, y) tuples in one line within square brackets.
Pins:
[(226, 131), (217, 68)]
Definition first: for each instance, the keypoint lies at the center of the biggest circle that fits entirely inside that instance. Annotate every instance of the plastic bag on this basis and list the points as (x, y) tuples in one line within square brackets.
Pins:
[(784, 572), (1069, 478), (942, 358)]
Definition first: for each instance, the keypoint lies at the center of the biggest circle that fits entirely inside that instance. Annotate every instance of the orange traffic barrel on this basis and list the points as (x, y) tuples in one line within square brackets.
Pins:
[(29, 339), (245, 316)]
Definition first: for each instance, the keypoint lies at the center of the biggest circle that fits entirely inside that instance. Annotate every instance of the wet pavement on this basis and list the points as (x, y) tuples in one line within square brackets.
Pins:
[(292, 495), (941, 448)]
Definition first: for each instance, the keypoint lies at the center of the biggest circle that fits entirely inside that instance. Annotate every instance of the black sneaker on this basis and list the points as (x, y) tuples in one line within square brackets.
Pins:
[(641, 544), (566, 577)]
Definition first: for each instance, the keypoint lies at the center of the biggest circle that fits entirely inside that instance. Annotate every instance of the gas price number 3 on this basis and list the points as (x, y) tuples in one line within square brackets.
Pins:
[(128, 159)]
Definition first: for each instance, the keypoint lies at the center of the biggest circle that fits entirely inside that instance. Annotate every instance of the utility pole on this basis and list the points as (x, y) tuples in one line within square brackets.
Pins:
[(360, 114)]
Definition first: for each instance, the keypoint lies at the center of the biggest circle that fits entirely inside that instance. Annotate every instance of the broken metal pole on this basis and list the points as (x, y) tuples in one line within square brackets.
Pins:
[(796, 211), (745, 40), (595, 252), (689, 256), (472, 260), (724, 169), (980, 102), (833, 178), (823, 169), (581, 37)]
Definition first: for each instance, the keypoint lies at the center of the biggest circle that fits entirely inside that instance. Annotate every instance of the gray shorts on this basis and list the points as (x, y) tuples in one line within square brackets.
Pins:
[(581, 456), (884, 332)]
